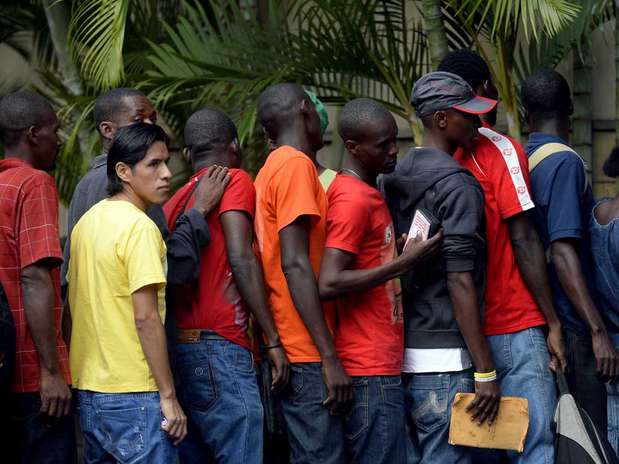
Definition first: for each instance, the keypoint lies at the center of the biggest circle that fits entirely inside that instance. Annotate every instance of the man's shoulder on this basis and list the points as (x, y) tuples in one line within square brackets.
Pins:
[(492, 142)]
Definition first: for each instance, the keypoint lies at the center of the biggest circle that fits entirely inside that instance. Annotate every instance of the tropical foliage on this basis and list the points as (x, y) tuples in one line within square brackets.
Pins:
[(186, 54)]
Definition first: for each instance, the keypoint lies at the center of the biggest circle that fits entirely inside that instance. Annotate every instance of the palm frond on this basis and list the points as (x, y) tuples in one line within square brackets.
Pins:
[(96, 37)]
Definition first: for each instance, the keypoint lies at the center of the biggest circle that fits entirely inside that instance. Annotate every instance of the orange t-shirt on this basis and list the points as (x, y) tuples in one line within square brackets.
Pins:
[(287, 187)]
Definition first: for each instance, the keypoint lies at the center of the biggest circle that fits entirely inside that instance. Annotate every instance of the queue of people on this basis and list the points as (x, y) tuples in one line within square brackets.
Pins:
[(148, 325)]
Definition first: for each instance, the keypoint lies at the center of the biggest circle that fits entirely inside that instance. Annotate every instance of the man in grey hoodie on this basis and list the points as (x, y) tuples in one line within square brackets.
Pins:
[(445, 349)]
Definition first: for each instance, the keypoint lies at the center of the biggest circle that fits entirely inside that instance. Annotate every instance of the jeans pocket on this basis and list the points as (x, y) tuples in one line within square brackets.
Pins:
[(124, 430), (357, 418), (430, 408), (244, 360), (198, 387)]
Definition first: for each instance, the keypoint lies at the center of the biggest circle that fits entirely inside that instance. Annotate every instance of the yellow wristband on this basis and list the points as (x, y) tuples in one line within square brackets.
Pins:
[(484, 375)]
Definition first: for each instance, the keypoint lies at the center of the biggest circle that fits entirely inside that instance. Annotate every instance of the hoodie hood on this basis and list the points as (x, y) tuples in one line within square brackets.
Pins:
[(417, 172)]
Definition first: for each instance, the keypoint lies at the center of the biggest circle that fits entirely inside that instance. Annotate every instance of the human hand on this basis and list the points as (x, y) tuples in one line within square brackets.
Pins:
[(279, 367), (417, 250), (210, 189), (606, 357), (339, 385), (485, 405), (556, 347), (174, 422), (55, 394)]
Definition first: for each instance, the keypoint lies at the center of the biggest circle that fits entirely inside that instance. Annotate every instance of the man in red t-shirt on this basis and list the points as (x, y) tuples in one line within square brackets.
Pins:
[(40, 422), (518, 296), (360, 268), (219, 389)]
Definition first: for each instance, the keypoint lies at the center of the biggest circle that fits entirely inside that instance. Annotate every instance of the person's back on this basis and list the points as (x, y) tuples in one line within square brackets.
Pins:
[(38, 418), (116, 250)]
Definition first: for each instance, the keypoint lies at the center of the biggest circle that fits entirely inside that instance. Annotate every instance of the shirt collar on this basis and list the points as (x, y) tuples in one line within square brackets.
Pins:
[(536, 139), (99, 161)]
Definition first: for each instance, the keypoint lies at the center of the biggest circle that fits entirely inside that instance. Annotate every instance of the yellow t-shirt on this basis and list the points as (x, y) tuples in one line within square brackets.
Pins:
[(116, 249)]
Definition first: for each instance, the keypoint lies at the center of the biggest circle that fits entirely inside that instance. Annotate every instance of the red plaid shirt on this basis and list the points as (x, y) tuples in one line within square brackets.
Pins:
[(28, 233)]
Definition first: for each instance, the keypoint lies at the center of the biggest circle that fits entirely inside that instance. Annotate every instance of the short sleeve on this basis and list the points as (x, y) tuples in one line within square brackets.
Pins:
[(240, 195), (295, 190), (38, 222), (461, 217), (347, 218), (510, 181), (565, 201), (144, 256)]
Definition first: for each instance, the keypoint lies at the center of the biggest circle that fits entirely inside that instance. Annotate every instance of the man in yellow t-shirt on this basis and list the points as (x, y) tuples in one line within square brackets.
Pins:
[(117, 275)]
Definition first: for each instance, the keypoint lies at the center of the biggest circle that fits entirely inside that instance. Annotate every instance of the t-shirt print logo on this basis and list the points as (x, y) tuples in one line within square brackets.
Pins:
[(515, 170), (507, 152), (388, 235), (521, 190), (496, 138)]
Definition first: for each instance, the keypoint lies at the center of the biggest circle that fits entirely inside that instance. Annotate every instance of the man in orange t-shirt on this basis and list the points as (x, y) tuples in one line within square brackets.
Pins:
[(291, 210)]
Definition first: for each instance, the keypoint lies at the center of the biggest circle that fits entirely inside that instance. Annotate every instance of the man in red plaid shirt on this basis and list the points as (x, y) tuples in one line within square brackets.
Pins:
[(40, 419)]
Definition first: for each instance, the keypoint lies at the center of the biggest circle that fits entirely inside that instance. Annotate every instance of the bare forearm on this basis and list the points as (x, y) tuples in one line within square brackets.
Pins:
[(249, 281), (304, 292), (357, 280), (466, 311), (38, 294), (153, 340), (531, 261), (567, 265)]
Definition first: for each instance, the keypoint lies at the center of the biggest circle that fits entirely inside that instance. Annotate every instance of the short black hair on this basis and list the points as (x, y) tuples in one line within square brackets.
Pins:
[(545, 94), (357, 115), (129, 146), (19, 111), (276, 105), (108, 104), (611, 165), (209, 131), (467, 64)]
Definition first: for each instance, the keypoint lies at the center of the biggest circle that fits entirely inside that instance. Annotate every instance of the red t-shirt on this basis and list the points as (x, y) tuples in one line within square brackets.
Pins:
[(500, 165), (213, 301), (369, 334), (29, 233)]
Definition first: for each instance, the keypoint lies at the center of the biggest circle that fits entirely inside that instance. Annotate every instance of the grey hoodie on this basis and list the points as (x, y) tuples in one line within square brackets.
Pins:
[(431, 179)]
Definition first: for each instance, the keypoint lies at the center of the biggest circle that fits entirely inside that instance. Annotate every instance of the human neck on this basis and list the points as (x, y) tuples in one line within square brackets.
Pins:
[(354, 169), (558, 127), (441, 143), (297, 140), (20, 153), (211, 160), (130, 196)]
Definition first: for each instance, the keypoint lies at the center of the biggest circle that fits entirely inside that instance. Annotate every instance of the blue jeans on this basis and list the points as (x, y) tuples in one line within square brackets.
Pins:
[(219, 393), (428, 406), (612, 405), (314, 435), (33, 436), (521, 360), (123, 428), (374, 427)]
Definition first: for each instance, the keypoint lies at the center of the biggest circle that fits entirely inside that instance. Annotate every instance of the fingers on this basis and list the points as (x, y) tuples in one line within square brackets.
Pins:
[(53, 407), (44, 403), (494, 412), (176, 428)]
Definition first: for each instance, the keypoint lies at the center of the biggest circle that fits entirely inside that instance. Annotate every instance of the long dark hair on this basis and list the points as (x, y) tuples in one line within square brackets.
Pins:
[(129, 146)]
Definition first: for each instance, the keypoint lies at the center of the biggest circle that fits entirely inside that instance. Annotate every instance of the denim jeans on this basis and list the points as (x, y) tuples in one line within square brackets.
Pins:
[(219, 393), (521, 360), (314, 435), (123, 428), (428, 407), (585, 386), (612, 405), (374, 427), (34, 436)]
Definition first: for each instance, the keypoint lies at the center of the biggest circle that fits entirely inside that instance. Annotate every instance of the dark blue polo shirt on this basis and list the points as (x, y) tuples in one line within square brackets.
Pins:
[(563, 210)]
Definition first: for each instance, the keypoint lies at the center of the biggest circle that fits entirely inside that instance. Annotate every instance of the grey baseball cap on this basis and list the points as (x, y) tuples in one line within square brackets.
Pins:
[(442, 90)]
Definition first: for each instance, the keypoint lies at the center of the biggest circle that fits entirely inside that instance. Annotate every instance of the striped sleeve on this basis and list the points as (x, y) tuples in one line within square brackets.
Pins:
[(509, 178)]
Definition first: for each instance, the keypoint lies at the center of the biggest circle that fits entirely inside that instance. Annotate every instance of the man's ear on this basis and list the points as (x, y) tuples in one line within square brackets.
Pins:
[(107, 129), (440, 119), (32, 134), (187, 155), (123, 172), (351, 146)]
